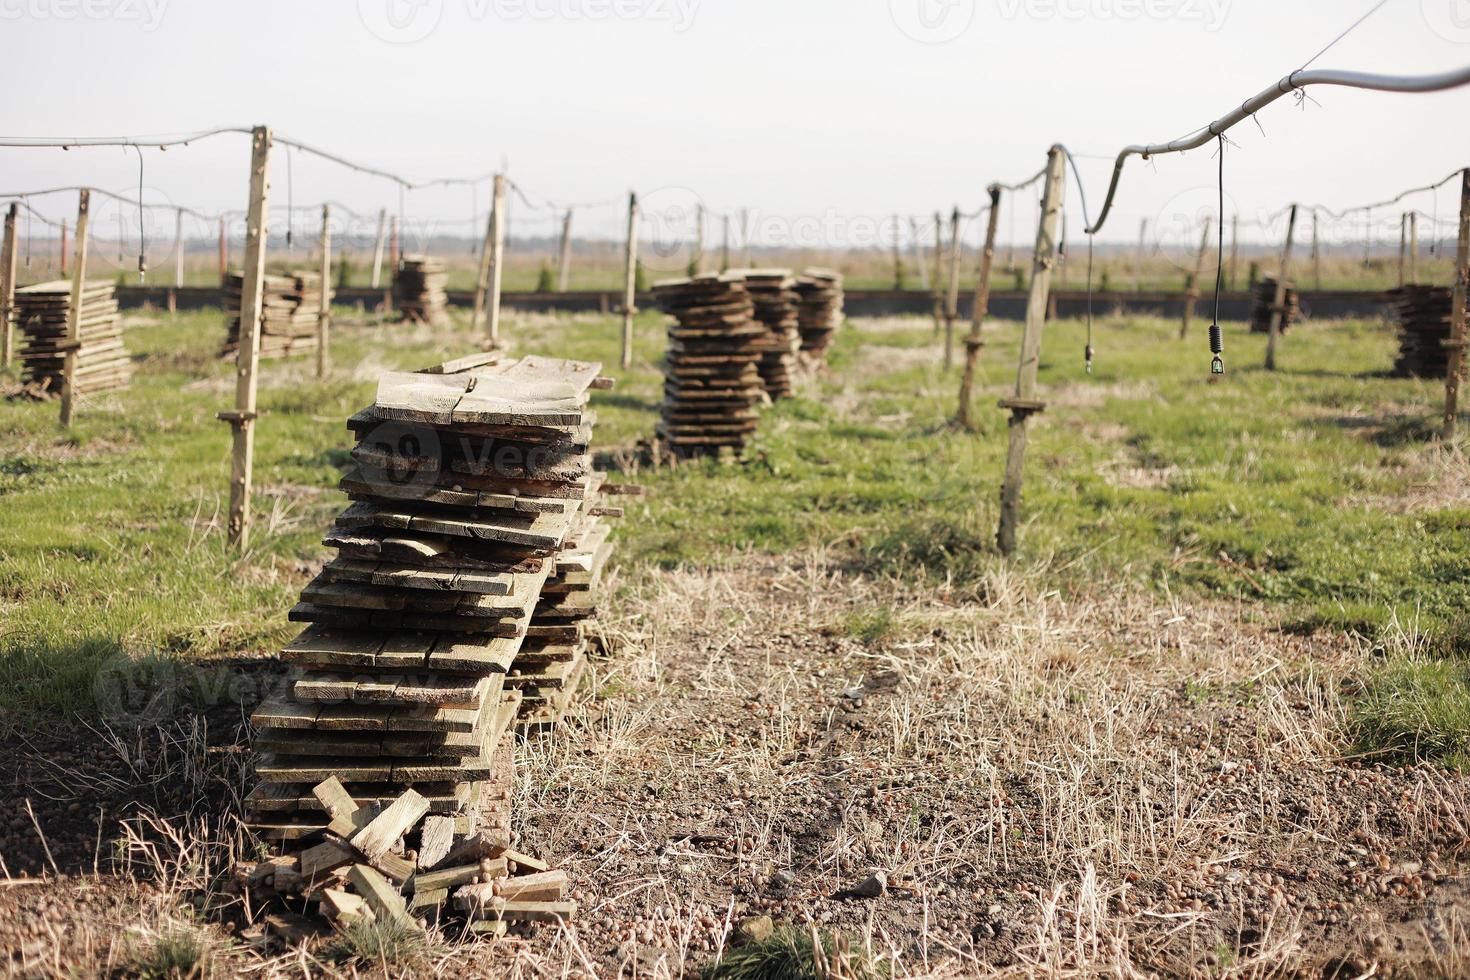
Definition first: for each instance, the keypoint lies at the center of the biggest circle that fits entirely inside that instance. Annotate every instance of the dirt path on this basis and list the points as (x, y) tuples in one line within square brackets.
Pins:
[(1109, 784)]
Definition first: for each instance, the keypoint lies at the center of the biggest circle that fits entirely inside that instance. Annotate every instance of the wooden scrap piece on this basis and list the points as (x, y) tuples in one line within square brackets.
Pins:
[(379, 836)]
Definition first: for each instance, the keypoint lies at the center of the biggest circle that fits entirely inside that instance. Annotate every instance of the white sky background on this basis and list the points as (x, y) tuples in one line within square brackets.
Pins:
[(821, 109)]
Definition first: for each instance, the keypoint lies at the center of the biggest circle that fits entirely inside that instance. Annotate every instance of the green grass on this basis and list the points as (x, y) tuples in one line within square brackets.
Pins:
[(790, 954), (1416, 708), (1311, 490)]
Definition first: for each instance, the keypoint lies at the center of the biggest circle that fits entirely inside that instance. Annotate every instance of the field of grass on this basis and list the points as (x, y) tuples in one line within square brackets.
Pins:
[(1316, 492)]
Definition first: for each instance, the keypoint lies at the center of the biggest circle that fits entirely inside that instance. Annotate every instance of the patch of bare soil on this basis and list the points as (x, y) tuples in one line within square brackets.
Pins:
[(1049, 784)]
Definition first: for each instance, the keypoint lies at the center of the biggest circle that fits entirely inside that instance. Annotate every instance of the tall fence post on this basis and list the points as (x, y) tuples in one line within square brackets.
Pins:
[(1191, 293), (564, 259), (897, 255), (725, 247), (745, 238), (696, 256), (324, 306), (1025, 404), (974, 342), (1403, 246), (247, 359), (936, 279), (378, 248), (952, 293), (224, 253), (1139, 255), (490, 299), (916, 245), (8, 252), (74, 312), (1278, 303), (630, 281), (64, 248), (1456, 343), (1316, 255), (1413, 246), (173, 294)]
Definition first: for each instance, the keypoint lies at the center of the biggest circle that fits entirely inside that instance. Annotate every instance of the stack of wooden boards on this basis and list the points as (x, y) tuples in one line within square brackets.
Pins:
[(1423, 316), (712, 381), (1265, 298), (775, 297), (289, 306), (457, 608), (391, 862), (42, 312), (819, 311), (418, 290)]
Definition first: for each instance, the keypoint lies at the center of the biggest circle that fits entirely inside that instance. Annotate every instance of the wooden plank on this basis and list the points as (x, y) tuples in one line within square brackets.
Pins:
[(379, 836), (435, 840), (382, 897)]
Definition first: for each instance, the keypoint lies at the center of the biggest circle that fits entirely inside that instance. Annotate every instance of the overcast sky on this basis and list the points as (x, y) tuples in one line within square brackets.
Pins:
[(825, 117)]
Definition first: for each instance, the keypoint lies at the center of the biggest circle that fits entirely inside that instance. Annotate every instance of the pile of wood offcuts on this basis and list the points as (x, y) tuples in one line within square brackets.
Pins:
[(1265, 298), (819, 311), (289, 307), (1423, 316), (460, 607), (418, 290), (712, 380), (775, 297), (43, 313)]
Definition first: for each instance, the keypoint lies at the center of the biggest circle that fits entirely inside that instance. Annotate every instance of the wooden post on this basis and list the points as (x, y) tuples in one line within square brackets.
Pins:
[(921, 268), (936, 278), (378, 248), (242, 419), (745, 238), (395, 252), (173, 298), (63, 248), (74, 313), (630, 281), (1456, 343), (324, 307), (973, 342), (8, 251), (1025, 403), (1138, 265), (564, 259), (1403, 246), (1234, 247), (952, 294), (725, 247), (1316, 255), (1278, 305), (897, 256), (1191, 294), (224, 253), (497, 261), (696, 258), (1413, 246)]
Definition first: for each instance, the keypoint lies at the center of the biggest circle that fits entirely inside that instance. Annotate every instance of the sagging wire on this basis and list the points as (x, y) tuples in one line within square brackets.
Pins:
[(142, 237), (1087, 351), (1217, 336), (1091, 233), (290, 201)]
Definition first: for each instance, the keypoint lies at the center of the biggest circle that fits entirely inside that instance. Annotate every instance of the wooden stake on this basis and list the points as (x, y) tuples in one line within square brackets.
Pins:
[(63, 248), (378, 248), (324, 307), (1025, 404), (242, 419), (224, 253), (1138, 265), (497, 263), (564, 259), (173, 298), (897, 256), (936, 280), (395, 251), (8, 252), (1413, 246), (973, 342), (74, 312), (630, 281), (1234, 247), (1316, 255), (745, 238), (1191, 294), (952, 294), (725, 248), (916, 244), (696, 259), (1456, 343), (1278, 305)]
